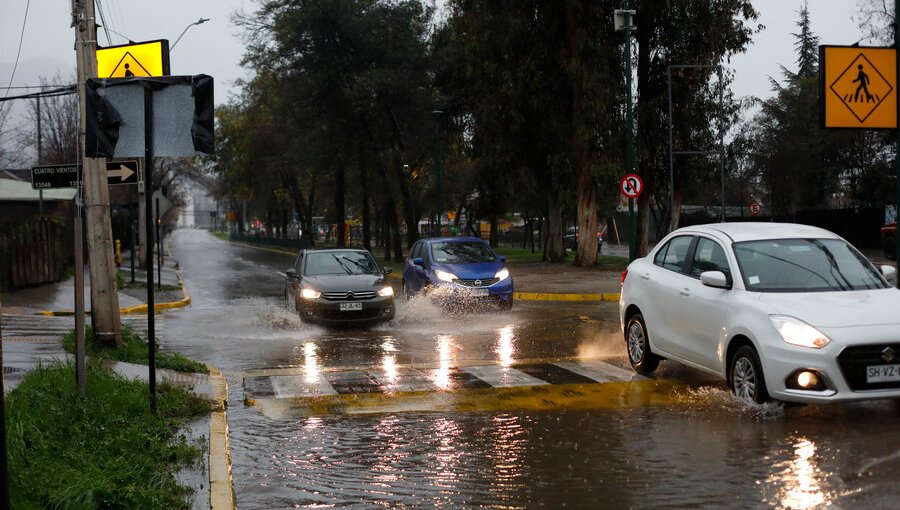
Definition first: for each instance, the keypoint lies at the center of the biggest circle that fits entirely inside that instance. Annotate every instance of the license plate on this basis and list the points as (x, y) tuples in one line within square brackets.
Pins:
[(480, 292), (353, 306), (882, 373)]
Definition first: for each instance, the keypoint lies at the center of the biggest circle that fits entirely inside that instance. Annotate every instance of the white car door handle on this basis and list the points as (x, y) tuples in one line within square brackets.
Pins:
[(645, 276), (685, 292)]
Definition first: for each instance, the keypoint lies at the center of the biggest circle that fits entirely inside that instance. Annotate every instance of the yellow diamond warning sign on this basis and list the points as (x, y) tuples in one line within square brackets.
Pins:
[(858, 87), (149, 58)]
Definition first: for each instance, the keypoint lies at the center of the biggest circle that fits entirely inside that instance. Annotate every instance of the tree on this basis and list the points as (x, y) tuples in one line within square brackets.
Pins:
[(673, 33)]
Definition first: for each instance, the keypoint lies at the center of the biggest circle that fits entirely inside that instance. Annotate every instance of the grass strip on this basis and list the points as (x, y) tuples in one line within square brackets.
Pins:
[(136, 350), (106, 451)]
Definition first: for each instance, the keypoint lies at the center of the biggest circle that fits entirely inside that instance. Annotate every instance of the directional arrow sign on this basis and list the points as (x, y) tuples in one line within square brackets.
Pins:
[(121, 172)]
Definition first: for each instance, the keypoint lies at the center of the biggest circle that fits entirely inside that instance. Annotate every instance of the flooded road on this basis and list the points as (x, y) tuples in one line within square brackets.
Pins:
[(493, 413)]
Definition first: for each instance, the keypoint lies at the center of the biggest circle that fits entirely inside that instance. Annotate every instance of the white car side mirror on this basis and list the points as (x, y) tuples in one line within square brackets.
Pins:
[(890, 274), (715, 279)]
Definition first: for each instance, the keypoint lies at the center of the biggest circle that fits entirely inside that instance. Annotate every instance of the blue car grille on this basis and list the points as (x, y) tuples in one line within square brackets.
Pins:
[(478, 283), (350, 295)]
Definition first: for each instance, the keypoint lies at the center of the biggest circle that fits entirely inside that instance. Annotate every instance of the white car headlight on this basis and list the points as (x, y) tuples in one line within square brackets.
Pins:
[(502, 274), (310, 294), (387, 291), (445, 276), (796, 332)]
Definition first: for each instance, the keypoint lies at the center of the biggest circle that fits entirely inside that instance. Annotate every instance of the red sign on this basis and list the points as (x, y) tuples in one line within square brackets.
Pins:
[(631, 186), (755, 208)]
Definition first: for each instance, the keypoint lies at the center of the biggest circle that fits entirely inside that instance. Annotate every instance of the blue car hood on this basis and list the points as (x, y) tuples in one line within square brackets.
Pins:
[(471, 271)]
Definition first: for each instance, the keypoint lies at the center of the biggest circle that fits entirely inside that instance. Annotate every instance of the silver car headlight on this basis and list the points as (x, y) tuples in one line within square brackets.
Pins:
[(444, 275), (386, 291), (796, 332), (310, 293), (502, 274)]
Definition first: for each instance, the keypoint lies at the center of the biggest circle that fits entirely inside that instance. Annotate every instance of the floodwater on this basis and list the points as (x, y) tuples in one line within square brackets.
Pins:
[(695, 446)]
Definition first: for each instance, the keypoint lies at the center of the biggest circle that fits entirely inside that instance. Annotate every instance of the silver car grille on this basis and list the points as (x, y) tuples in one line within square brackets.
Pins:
[(487, 282), (350, 295)]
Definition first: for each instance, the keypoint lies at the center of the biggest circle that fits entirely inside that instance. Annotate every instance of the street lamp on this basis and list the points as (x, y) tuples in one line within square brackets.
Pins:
[(623, 21), (198, 22), (437, 167)]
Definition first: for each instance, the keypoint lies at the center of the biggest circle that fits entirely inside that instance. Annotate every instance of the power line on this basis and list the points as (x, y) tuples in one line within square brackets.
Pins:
[(62, 91), (19, 52)]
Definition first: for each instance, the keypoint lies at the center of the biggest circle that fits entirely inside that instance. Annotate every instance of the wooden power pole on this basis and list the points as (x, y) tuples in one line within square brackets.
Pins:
[(104, 295)]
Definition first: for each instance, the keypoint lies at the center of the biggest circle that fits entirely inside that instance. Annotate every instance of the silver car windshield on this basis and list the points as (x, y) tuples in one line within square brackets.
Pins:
[(461, 252), (805, 265), (342, 262)]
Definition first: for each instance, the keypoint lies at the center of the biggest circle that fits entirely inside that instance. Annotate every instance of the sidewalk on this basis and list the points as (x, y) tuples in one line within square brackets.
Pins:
[(59, 298)]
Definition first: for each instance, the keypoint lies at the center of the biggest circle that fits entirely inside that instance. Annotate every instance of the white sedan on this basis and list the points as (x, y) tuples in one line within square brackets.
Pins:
[(781, 311)]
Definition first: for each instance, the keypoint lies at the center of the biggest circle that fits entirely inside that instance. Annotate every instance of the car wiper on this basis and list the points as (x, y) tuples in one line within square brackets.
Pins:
[(345, 268), (833, 263), (366, 268)]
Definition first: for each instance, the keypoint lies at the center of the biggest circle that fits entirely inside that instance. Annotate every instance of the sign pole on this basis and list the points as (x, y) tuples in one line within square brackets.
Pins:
[(4, 456), (897, 150), (148, 226)]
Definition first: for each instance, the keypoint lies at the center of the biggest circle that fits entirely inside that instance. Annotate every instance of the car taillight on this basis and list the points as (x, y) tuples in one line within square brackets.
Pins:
[(624, 274)]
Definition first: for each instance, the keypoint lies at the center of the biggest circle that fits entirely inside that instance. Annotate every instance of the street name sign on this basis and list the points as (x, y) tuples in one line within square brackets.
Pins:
[(148, 58), (56, 176), (858, 87), (70, 176)]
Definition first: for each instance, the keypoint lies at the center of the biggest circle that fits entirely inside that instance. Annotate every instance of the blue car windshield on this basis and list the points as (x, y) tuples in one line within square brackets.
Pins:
[(461, 252), (341, 262)]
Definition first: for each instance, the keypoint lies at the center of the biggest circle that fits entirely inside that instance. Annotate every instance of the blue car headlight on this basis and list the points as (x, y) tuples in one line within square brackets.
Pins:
[(502, 274), (445, 276)]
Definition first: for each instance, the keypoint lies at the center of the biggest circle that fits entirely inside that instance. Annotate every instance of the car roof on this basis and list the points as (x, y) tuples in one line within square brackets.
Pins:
[(333, 250), (751, 231)]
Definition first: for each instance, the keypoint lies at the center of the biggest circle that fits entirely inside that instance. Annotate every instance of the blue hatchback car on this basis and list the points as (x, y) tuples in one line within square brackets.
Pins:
[(458, 270)]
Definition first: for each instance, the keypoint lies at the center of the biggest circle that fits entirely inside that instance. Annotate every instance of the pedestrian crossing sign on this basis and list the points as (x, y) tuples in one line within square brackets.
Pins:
[(149, 58), (857, 87)]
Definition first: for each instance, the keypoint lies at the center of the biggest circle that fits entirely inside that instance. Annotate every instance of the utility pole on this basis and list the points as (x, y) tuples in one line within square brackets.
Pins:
[(104, 295), (623, 21), (39, 152)]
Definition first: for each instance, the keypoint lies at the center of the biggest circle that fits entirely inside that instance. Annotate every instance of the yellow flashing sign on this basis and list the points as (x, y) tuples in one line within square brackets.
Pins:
[(858, 87), (150, 58)]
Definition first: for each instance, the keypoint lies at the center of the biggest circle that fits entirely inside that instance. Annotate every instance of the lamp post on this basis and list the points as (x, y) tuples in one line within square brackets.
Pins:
[(198, 22), (437, 168), (623, 21)]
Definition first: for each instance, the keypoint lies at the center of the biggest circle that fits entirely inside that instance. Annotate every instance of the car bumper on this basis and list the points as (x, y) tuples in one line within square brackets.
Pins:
[(842, 369), (500, 293), (326, 311)]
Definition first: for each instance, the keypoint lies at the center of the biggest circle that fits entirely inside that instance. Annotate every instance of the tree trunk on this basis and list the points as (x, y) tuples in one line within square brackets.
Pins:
[(554, 251), (366, 220), (339, 206), (494, 237)]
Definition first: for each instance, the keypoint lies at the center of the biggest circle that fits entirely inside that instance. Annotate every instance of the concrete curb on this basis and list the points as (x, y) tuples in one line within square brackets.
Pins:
[(221, 483), (142, 308)]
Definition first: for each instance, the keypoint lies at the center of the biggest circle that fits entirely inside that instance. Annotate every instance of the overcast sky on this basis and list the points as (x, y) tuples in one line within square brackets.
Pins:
[(215, 48)]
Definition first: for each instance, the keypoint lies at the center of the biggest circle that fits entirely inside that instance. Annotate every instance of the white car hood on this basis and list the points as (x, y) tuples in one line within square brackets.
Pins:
[(839, 309)]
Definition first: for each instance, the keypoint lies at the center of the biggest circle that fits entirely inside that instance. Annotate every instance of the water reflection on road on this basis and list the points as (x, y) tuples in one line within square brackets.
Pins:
[(699, 448)]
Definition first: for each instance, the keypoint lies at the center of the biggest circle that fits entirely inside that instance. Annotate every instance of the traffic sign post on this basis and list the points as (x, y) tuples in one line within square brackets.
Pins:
[(755, 208), (631, 187)]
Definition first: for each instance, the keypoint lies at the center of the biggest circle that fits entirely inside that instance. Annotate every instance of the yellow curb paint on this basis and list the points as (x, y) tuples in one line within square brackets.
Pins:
[(221, 483), (546, 296), (181, 303), (610, 395), (32, 340)]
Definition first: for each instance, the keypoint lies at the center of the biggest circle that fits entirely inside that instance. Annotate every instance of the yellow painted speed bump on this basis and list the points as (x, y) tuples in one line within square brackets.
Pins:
[(609, 395)]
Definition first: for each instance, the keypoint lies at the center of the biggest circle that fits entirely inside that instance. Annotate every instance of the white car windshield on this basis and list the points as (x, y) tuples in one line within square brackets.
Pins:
[(805, 265)]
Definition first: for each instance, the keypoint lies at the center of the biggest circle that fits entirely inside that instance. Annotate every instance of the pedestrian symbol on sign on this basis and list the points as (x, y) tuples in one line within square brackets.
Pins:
[(861, 87)]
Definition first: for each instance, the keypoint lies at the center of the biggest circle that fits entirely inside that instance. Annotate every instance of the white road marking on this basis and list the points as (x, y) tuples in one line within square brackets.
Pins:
[(599, 371), (504, 377), (291, 386)]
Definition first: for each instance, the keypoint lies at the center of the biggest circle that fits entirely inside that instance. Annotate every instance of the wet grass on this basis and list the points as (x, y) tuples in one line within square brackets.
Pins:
[(107, 451), (135, 350)]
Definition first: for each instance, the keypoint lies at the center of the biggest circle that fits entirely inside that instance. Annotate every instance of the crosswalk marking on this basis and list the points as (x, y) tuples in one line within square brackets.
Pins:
[(33, 328), (504, 377), (412, 380)]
